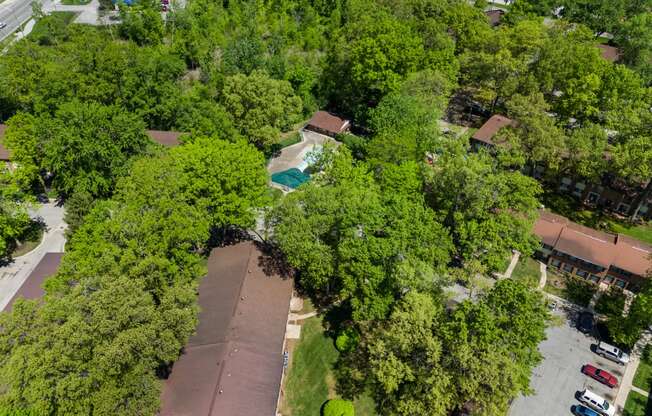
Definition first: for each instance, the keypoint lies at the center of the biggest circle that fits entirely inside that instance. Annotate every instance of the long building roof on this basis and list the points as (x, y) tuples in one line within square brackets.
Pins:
[(234, 362), (597, 247), (32, 287)]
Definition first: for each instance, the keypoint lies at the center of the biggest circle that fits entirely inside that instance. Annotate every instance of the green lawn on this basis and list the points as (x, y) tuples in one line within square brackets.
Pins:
[(310, 381), (643, 376), (527, 271), (635, 405)]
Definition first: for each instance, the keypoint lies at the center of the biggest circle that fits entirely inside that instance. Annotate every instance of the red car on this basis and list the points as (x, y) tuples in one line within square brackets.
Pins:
[(600, 375)]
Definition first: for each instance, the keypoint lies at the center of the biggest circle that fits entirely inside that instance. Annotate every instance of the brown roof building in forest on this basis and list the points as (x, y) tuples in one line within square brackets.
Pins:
[(32, 287), (484, 136), (610, 53), (610, 259), (165, 138), (494, 16), (4, 153), (234, 363), (326, 123)]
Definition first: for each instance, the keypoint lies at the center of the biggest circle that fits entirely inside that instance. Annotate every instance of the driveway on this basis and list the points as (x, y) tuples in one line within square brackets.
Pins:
[(14, 275), (293, 156), (557, 379)]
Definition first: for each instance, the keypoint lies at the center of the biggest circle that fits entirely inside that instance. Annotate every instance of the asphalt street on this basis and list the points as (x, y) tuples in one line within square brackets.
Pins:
[(14, 13)]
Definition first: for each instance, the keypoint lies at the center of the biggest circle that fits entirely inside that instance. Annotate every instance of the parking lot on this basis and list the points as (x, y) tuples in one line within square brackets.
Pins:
[(558, 378)]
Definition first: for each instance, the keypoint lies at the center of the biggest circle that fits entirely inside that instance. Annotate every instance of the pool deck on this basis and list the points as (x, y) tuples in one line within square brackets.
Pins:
[(293, 156)]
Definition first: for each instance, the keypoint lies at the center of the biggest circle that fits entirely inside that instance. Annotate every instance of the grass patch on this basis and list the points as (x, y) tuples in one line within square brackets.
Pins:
[(310, 380), (573, 210), (75, 2), (611, 302), (293, 138), (643, 376), (51, 28), (307, 385), (573, 289), (527, 271), (635, 405), (30, 239)]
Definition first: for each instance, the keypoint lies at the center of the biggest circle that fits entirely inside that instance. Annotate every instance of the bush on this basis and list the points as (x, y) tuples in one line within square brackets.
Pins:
[(611, 303), (338, 407), (579, 291), (347, 340)]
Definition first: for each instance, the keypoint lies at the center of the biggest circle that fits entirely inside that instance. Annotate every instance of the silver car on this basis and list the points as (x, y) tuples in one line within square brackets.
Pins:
[(612, 353)]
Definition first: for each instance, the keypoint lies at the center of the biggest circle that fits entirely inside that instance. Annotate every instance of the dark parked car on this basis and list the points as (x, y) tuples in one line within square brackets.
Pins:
[(3, 25), (586, 322), (600, 375), (580, 410)]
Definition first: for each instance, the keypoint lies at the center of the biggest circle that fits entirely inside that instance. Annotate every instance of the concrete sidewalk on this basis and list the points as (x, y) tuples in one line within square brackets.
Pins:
[(14, 275)]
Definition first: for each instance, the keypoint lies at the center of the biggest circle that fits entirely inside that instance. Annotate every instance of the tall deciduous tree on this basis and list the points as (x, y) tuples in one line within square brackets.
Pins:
[(261, 107), (360, 241), (88, 147), (487, 210)]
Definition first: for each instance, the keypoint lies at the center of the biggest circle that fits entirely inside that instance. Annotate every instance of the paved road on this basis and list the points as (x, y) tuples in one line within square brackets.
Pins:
[(13, 275), (557, 379), (14, 13)]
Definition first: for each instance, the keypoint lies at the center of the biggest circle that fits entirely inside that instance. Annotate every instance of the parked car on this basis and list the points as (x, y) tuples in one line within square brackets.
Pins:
[(597, 403), (580, 410), (600, 375), (3, 25), (612, 353), (586, 322)]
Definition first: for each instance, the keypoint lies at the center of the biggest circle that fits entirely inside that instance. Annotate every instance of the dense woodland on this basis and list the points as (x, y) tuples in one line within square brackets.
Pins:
[(376, 236)]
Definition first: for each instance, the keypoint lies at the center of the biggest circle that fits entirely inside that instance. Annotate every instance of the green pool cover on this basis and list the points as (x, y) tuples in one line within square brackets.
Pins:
[(291, 178)]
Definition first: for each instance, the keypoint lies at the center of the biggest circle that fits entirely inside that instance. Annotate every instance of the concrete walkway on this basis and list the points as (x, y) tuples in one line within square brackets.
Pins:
[(543, 278), (14, 275), (628, 377), (512, 264)]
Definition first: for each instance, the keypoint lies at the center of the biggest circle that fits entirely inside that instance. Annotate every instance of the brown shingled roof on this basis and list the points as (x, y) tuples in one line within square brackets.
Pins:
[(549, 226), (632, 255), (234, 362), (609, 53), (574, 240), (490, 128), (4, 153), (326, 121), (594, 246), (166, 138), (494, 16), (32, 287)]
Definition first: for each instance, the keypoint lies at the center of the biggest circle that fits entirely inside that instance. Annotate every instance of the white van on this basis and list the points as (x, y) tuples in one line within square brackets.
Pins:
[(612, 353), (598, 403)]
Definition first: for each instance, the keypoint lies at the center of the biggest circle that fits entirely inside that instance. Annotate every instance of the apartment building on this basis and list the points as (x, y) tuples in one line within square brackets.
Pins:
[(610, 193), (602, 258)]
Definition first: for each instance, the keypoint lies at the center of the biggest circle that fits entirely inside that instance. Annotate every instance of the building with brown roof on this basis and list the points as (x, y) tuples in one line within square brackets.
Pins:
[(32, 287), (494, 16), (329, 124), (165, 138), (610, 53), (4, 152), (484, 136), (611, 259), (234, 363)]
